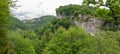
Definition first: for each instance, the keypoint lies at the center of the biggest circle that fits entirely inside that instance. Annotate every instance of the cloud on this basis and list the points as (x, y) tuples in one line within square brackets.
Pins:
[(20, 14), (36, 8), (40, 3)]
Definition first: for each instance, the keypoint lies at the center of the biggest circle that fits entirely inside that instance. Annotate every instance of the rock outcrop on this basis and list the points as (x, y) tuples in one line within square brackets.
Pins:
[(89, 23)]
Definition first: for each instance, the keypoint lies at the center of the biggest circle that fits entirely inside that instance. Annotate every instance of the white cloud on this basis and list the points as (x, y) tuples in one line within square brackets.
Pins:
[(37, 8)]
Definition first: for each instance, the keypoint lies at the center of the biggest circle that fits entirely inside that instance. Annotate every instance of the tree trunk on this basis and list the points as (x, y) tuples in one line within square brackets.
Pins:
[(113, 14)]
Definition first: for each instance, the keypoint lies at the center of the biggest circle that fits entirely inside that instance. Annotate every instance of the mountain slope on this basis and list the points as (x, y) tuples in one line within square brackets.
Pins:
[(41, 21), (16, 24)]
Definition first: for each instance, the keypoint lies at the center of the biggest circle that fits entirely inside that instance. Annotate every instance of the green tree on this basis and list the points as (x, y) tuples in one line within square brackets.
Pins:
[(4, 14), (103, 13), (113, 6), (72, 41), (33, 38), (107, 43), (21, 45), (46, 37), (68, 10), (65, 22)]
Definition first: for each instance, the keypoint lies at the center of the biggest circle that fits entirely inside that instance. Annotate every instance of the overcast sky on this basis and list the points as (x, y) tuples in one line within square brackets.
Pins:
[(35, 8)]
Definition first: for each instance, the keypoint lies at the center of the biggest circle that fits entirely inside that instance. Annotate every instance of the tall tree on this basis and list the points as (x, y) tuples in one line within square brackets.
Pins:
[(113, 5), (4, 13)]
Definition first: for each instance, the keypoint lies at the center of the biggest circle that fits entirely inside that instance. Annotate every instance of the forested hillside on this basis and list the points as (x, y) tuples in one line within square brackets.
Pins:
[(37, 22), (70, 32), (16, 24)]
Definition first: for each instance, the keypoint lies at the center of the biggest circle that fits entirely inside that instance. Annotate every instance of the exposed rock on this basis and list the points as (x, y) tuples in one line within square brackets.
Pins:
[(89, 23)]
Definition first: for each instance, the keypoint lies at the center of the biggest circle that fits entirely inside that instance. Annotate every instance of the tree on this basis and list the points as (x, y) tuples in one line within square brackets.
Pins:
[(113, 5), (46, 37), (21, 45), (103, 13), (68, 10), (107, 42), (65, 22), (72, 41), (4, 14)]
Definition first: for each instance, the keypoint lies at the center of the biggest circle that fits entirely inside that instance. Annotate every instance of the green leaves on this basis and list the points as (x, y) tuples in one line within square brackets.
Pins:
[(103, 13), (77, 41), (68, 10), (4, 14), (68, 41), (113, 5), (87, 2), (72, 11), (107, 43), (21, 45)]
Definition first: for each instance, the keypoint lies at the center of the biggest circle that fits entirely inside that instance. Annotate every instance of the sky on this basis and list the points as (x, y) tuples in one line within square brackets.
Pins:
[(30, 9)]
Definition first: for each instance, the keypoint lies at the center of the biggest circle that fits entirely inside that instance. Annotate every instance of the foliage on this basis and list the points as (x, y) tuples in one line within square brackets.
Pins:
[(32, 37), (70, 41), (108, 42), (111, 14), (38, 22), (110, 27), (53, 26), (75, 10), (68, 10), (16, 24), (65, 22), (77, 41), (113, 6), (4, 13), (46, 37), (21, 45), (103, 13)]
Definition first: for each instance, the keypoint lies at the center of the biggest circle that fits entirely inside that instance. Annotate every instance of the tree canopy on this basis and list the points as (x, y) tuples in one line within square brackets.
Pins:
[(4, 14), (113, 5)]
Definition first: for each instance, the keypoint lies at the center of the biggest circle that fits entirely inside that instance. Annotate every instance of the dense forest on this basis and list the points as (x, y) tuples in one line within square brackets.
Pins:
[(66, 33)]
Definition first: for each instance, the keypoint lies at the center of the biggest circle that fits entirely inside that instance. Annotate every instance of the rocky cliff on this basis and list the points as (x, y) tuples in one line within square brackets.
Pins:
[(89, 23)]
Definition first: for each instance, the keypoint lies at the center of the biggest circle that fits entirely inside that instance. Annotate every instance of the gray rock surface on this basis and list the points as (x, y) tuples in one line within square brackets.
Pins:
[(89, 23)]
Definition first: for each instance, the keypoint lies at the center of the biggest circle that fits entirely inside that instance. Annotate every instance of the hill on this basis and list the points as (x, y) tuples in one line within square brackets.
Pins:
[(37, 22), (16, 24)]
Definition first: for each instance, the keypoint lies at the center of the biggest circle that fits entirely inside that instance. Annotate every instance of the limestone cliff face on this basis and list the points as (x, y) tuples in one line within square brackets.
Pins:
[(89, 23)]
